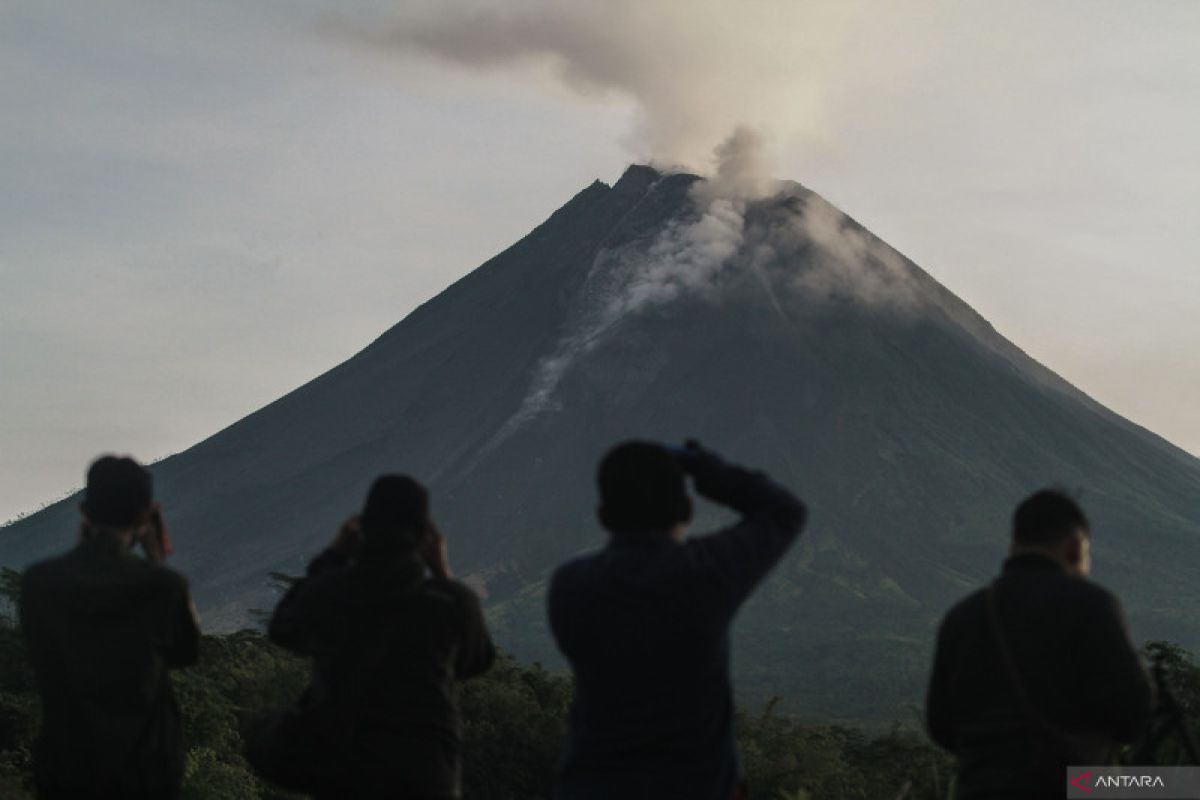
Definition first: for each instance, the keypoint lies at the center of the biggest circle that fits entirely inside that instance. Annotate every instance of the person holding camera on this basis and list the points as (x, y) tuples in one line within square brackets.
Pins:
[(390, 634), (103, 627), (644, 623)]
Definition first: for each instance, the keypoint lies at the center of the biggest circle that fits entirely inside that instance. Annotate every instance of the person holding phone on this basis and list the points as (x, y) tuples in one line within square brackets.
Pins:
[(390, 633), (103, 627)]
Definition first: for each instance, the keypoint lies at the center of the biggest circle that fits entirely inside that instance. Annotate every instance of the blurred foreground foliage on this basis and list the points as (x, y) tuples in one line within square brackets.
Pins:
[(514, 724)]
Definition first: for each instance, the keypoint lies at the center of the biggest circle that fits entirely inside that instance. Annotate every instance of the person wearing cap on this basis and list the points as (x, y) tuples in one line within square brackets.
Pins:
[(103, 626), (390, 633), (644, 623)]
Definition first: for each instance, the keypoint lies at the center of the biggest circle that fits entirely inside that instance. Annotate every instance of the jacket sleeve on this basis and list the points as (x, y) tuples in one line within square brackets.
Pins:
[(181, 642), (28, 610), (741, 556), (476, 653), (297, 624), (1117, 682), (939, 705)]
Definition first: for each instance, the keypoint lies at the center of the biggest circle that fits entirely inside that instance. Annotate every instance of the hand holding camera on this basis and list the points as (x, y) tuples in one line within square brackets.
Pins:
[(710, 473), (152, 535), (348, 538), (433, 551)]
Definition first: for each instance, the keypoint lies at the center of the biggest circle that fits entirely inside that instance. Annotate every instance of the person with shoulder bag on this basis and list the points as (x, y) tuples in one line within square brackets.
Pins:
[(1036, 672)]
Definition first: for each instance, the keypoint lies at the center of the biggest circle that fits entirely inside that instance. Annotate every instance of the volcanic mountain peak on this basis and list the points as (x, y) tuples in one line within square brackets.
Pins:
[(774, 328)]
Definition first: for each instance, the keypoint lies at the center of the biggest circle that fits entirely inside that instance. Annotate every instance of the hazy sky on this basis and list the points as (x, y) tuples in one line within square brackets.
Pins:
[(205, 204)]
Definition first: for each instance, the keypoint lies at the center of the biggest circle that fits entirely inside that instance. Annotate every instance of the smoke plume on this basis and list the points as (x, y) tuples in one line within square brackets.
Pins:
[(688, 254), (693, 69), (853, 264)]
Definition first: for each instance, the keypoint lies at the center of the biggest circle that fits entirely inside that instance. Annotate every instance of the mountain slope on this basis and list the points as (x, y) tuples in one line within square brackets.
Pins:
[(778, 331)]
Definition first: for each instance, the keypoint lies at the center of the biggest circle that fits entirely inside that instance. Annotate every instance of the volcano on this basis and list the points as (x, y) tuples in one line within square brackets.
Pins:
[(776, 330)]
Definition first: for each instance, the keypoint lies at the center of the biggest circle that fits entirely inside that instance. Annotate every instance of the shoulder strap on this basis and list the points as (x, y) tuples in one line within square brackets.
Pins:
[(1081, 748), (1010, 665)]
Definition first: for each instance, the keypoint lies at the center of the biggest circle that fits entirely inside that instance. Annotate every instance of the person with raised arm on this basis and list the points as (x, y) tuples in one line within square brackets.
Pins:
[(644, 623)]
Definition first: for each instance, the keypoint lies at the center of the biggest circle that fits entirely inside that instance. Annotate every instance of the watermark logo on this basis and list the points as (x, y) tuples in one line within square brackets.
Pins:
[(1127, 783), (1080, 781)]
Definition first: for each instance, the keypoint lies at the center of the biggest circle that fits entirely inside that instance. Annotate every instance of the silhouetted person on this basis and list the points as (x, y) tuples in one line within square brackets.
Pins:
[(1037, 671), (103, 626), (369, 604), (645, 624)]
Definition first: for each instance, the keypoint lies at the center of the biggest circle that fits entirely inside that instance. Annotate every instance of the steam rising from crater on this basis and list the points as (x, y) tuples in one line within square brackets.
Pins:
[(806, 252), (692, 69), (685, 257), (693, 74), (689, 253)]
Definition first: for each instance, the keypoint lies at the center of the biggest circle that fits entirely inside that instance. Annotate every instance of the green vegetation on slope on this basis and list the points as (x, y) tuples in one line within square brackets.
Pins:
[(515, 719)]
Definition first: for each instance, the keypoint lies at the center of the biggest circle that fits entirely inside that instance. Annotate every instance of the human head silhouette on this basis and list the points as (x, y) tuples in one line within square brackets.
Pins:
[(395, 516), (119, 493), (1050, 522), (642, 487)]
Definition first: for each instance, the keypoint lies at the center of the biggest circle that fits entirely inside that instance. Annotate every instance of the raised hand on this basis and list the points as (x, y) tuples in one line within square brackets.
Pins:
[(348, 538), (433, 551)]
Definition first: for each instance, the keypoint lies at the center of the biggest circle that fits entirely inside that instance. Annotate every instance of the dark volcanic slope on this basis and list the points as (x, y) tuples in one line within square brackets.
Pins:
[(808, 347)]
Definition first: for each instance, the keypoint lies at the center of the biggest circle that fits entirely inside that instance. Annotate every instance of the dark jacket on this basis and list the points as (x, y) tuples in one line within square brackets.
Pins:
[(1080, 671), (103, 626), (391, 643), (645, 625)]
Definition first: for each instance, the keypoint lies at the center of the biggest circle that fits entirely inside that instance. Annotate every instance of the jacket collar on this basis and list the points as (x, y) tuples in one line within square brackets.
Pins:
[(1032, 562), (404, 571), (640, 539), (102, 545)]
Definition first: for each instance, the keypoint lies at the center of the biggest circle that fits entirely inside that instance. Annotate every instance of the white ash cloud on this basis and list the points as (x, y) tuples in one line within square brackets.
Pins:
[(693, 69), (689, 254), (840, 259), (814, 250), (743, 169), (684, 257)]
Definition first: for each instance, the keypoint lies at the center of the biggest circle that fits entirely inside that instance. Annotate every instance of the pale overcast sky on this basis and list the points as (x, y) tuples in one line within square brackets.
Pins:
[(205, 204)]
